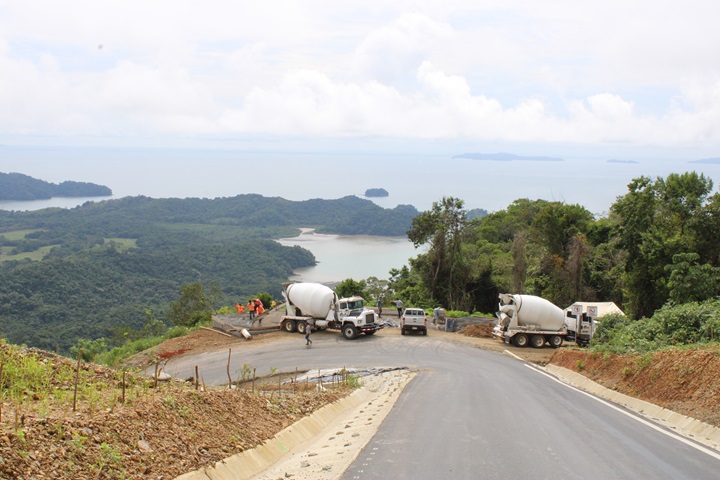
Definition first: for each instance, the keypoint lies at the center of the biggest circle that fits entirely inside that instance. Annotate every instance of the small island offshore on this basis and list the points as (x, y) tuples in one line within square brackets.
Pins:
[(16, 186), (376, 192), (506, 157)]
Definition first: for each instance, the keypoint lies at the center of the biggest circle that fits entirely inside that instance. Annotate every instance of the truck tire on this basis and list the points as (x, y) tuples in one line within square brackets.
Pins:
[(289, 326), (300, 327), (556, 341), (349, 331), (425, 332), (520, 340), (402, 331), (537, 341)]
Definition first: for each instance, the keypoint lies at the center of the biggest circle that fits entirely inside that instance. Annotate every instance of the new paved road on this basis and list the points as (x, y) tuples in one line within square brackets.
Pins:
[(471, 413)]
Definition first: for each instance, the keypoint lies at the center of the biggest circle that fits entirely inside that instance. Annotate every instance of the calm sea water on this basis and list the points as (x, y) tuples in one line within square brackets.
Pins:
[(414, 179), (351, 256)]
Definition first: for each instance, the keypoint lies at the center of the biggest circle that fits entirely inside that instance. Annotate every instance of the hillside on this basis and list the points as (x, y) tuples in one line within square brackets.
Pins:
[(96, 270), (16, 186), (157, 431)]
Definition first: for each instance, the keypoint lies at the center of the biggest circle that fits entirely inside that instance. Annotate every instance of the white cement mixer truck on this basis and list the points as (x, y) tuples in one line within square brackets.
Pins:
[(528, 320), (319, 306)]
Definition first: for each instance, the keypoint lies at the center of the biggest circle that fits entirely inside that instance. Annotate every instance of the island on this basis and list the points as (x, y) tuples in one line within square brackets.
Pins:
[(20, 187), (506, 157), (376, 192), (614, 160), (710, 161)]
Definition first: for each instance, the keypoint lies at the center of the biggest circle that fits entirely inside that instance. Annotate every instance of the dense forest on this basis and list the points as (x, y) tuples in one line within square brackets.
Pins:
[(657, 248), (99, 268), (16, 186)]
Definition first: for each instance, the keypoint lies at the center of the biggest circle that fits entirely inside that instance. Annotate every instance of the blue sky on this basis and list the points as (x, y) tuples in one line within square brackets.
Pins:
[(618, 76)]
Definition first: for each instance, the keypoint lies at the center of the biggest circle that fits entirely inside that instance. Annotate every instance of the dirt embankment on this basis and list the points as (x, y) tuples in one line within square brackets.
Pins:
[(142, 431), (684, 381)]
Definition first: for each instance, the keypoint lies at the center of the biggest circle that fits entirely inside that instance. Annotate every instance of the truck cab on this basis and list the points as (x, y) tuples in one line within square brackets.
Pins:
[(350, 307)]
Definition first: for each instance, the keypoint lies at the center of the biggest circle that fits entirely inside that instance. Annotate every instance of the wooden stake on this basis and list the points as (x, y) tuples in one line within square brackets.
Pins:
[(123, 388), (228, 369), (1, 383), (253, 382), (77, 378), (197, 378)]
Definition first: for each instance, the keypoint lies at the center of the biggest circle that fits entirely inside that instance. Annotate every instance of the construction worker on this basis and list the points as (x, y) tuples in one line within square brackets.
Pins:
[(251, 310), (259, 309), (240, 308)]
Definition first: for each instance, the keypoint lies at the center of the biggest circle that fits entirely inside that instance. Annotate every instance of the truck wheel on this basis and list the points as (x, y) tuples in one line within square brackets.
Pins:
[(349, 332), (537, 341), (520, 340), (556, 341), (301, 327), (289, 326), (402, 331), (425, 332)]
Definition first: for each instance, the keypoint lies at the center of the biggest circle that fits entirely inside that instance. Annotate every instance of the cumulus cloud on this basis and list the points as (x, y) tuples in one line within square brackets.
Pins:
[(512, 71)]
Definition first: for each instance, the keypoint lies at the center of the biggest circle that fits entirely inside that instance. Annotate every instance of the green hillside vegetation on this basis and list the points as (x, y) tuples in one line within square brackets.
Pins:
[(656, 255), (16, 186), (110, 262)]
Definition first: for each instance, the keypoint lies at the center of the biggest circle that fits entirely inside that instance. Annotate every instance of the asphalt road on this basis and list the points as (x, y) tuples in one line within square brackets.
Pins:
[(471, 413)]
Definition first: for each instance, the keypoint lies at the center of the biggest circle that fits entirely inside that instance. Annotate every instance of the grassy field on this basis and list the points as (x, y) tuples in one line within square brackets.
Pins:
[(17, 234), (123, 243), (36, 255)]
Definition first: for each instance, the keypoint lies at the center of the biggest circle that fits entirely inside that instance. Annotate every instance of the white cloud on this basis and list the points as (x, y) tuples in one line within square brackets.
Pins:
[(511, 71)]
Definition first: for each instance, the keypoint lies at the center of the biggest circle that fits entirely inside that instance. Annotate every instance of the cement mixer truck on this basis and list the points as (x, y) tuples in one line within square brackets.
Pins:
[(319, 306), (528, 320)]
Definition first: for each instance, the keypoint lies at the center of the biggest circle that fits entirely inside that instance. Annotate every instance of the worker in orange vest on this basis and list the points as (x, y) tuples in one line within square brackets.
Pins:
[(251, 309), (259, 309), (240, 308)]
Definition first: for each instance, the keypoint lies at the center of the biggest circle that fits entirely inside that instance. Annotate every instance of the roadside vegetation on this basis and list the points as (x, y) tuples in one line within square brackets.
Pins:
[(60, 418), (654, 254)]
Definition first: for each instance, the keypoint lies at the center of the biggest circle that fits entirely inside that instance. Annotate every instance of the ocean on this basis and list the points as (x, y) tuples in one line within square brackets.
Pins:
[(411, 179)]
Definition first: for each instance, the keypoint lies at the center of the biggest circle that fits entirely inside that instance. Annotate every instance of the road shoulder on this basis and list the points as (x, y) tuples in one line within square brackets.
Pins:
[(321, 446)]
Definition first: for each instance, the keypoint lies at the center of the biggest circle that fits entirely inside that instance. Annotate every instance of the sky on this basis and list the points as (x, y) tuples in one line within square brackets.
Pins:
[(503, 74)]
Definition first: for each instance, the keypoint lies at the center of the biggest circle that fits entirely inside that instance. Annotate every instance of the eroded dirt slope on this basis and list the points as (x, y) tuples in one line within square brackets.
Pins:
[(685, 381)]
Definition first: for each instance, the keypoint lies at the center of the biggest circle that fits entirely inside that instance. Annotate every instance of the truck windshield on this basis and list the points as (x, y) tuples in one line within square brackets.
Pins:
[(355, 304)]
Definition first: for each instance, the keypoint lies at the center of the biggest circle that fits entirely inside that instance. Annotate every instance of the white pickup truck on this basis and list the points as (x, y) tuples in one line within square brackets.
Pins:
[(413, 320)]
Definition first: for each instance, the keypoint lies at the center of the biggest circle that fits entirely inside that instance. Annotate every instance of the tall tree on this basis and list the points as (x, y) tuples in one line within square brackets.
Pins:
[(194, 306), (655, 222), (441, 229)]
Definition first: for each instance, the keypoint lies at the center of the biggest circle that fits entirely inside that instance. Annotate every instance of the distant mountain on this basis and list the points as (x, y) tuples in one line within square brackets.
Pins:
[(506, 157), (376, 192), (713, 161), (16, 186), (613, 160)]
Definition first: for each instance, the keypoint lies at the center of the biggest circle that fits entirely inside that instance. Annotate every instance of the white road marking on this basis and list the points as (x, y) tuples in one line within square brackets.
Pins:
[(672, 435)]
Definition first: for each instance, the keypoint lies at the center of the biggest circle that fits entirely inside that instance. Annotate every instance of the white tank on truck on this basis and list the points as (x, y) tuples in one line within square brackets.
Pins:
[(529, 320), (318, 305), (310, 299)]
